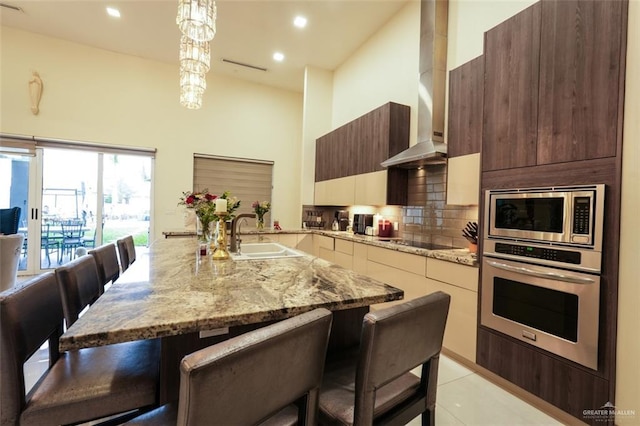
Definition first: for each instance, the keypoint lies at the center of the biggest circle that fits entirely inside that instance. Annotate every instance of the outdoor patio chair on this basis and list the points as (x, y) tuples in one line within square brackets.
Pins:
[(9, 220), (72, 233), (49, 242)]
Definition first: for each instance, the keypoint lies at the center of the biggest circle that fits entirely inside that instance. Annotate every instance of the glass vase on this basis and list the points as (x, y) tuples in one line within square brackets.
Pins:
[(203, 230), (260, 223)]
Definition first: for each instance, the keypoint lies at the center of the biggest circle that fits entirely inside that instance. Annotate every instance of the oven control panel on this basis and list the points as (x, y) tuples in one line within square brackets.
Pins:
[(552, 254)]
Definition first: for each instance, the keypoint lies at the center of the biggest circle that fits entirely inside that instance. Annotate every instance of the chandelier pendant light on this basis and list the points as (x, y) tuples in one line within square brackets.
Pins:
[(197, 19), (192, 87), (195, 56)]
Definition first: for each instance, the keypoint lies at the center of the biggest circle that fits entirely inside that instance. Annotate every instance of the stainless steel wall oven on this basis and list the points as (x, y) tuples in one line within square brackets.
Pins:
[(542, 254)]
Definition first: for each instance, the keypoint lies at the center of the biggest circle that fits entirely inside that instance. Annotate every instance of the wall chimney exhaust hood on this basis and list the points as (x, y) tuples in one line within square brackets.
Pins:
[(430, 148)]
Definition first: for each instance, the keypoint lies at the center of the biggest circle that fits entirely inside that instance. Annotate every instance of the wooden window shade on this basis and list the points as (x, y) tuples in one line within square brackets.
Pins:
[(249, 180)]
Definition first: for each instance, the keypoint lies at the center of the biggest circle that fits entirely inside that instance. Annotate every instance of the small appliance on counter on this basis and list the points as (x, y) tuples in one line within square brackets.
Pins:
[(360, 223), (342, 217), (313, 219), (385, 228)]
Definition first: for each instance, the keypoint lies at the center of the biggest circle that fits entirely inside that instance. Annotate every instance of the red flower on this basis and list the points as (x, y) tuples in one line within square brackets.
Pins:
[(211, 197), (190, 199)]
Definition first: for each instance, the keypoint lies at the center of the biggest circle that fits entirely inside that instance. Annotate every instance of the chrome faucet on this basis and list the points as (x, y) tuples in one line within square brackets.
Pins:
[(233, 244)]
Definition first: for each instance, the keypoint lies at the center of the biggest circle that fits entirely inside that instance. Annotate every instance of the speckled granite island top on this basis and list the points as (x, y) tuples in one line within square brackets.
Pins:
[(455, 255), (174, 291)]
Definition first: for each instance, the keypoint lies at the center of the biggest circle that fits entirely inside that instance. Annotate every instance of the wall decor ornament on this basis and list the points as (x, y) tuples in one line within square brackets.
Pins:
[(35, 92)]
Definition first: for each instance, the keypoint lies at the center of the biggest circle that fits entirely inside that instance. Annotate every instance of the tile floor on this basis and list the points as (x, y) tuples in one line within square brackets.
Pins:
[(464, 397)]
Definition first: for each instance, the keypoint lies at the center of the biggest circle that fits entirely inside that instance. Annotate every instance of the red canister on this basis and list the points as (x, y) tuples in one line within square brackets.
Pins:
[(385, 228)]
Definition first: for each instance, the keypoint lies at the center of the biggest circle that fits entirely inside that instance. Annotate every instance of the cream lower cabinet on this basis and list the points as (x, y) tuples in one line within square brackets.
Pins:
[(461, 283), (360, 253), (343, 253), (323, 247), (403, 270), (305, 243)]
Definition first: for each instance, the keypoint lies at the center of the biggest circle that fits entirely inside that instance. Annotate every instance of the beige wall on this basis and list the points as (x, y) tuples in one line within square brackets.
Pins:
[(628, 347), (318, 94), (383, 69), (100, 96)]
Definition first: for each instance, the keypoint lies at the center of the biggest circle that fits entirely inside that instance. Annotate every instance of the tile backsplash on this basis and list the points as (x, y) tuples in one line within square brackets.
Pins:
[(427, 217)]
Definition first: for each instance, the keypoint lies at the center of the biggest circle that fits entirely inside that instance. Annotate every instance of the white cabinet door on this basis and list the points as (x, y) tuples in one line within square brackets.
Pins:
[(371, 189), (335, 192), (463, 180), (461, 283)]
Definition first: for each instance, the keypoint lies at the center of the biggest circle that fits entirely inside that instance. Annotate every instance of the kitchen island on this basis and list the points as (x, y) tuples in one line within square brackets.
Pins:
[(175, 294)]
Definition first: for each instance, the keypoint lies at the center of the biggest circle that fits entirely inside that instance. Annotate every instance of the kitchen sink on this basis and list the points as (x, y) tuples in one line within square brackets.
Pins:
[(259, 251)]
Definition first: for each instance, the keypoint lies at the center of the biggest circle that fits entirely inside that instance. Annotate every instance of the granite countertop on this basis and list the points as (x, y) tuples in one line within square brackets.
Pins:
[(173, 290), (455, 255)]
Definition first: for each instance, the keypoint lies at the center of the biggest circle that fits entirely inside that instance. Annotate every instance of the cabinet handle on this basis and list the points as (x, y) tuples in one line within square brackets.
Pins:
[(540, 274)]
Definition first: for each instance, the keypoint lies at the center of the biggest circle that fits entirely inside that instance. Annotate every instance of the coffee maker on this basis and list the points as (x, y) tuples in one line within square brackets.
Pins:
[(360, 223), (342, 217)]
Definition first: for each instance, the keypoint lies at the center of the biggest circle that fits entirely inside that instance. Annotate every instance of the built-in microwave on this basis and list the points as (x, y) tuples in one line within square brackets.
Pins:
[(569, 215)]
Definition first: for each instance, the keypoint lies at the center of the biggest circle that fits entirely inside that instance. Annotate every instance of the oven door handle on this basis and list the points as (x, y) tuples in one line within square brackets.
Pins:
[(550, 275)]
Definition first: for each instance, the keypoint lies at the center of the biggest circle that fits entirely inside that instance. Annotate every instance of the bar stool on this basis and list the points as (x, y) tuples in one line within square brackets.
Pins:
[(127, 251), (373, 384), (107, 262), (253, 378), (79, 386)]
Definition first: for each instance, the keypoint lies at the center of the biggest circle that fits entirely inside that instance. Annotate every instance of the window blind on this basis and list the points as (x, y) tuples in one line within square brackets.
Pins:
[(249, 180), (16, 144), (20, 144)]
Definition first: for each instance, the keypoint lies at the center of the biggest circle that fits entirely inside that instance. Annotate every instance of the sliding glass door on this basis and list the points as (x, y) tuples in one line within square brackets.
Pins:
[(75, 200)]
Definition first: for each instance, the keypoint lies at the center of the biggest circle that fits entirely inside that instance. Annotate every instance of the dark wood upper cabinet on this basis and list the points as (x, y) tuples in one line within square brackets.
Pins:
[(554, 85), (362, 144), (511, 66), (466, 86), (580, 62)]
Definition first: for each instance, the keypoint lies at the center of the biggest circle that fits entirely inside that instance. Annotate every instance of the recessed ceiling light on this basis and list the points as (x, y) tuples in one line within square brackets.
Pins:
[(113, 12), (300, 21), (278, 57)]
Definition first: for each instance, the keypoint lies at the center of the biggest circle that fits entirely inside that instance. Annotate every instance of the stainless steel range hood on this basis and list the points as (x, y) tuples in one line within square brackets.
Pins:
[(430, 148)]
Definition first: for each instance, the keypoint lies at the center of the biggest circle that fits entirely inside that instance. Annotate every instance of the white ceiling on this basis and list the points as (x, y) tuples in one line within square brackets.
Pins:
[(247, 31)]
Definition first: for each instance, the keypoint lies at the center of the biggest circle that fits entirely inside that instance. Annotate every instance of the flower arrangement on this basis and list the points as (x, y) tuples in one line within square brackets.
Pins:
[(203, 203), (261, 208)]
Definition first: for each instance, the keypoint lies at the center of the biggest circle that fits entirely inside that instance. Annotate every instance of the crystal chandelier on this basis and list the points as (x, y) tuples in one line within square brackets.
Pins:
[(197, 19), (192, 87), (195, 55), (197, 22)]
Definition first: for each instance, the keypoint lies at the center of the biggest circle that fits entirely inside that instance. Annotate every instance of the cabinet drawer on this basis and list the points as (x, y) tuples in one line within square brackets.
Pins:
[(325, 242), (289, 240), (344, 260), (413, 285), (453, 273), (405, 261), (343, 246), (326, 254)]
